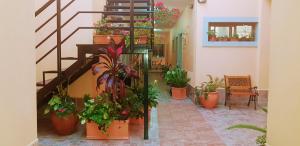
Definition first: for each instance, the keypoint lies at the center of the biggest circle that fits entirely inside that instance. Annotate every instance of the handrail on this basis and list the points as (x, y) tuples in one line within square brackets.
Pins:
[(54, 15), (46, 5), (71, 18), (71, 34)]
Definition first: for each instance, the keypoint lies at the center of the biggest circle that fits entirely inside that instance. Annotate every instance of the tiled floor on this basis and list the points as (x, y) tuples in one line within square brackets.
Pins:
[(173, 123)]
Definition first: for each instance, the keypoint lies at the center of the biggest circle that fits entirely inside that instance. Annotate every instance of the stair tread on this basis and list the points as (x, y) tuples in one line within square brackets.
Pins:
[(128, 1), (126, 7)]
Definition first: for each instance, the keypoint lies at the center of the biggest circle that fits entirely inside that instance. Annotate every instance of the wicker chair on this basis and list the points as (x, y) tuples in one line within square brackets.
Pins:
[(240, 86)]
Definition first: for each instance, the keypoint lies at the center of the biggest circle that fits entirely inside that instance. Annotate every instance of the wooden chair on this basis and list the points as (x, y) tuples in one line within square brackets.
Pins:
[(240, 86)]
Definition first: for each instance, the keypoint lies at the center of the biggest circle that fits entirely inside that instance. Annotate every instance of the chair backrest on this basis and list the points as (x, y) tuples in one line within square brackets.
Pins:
[(238, 83)]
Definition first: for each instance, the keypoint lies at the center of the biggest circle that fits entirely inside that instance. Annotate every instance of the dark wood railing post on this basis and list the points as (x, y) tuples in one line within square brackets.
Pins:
[(58, 33), (131, 25)]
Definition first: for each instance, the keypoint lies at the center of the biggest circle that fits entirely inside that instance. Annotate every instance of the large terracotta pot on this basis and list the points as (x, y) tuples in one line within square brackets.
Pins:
[(105, 39), (211, 101), (142, 40), (64, 125), (140, 121), (179, 93), (117, 130)]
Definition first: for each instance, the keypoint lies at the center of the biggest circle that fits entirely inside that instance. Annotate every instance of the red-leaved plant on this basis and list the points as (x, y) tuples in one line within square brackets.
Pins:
[(110, 62)]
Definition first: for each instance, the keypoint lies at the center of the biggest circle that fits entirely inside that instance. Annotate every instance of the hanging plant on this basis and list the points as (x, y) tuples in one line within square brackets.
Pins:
[(165, 17)]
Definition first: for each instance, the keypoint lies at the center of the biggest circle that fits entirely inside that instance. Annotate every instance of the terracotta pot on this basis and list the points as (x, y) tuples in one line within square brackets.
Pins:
[(211, 101), (117, 130), (212, 38), (142, 40), (179, 93), (234, 39), (140, 121), (105, 39), (64, 125)]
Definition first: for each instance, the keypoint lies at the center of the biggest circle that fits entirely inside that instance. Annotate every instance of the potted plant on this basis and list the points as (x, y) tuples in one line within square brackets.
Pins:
[(142, 34), (137, 106), (212, 35), (103, 118), (63, 112), (207, 92), (104, 33), (178, 80), (165, 69), (111, 105), (234, 38), (164, 16)]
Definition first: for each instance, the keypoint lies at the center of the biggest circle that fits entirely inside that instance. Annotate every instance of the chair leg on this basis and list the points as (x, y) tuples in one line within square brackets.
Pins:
[(229, 102), (225, 100), (250, 99), (255, 102)]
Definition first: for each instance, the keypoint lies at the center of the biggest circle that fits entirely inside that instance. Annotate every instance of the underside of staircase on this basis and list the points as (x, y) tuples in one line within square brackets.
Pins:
[(121, 12)]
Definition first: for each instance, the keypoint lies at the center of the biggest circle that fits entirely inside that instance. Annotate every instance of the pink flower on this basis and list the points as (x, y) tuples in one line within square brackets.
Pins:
[(159, 4)]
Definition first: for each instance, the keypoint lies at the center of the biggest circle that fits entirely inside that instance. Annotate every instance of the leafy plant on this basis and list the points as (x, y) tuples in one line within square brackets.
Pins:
[(142, 32), (211, 33), (103, 28), (177, 77), (61, 103), (211, 86), (165, 17), (261, 140), (165, 69), (102, 113), (137, 101), (236, 36), (113, 82)]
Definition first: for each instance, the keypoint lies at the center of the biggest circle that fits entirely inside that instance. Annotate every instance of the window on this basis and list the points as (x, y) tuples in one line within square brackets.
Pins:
[(232, 31)]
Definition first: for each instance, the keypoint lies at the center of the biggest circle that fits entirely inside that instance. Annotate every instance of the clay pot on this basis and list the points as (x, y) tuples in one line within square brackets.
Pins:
[(105, 39), (212, 38), (234, 39), (117, 130), (211, 101), (64, 125), (140, 121), (179, 93), (142, 40)]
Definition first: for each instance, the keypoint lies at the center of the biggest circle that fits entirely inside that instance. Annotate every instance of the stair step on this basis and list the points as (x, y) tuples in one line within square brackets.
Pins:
[(69, 58), (51, 71), (126, 7), (122, 13), (40, 84), (128, 1), (124, 21)]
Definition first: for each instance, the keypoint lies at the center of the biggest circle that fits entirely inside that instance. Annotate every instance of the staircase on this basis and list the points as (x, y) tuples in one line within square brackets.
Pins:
[(125, 10)]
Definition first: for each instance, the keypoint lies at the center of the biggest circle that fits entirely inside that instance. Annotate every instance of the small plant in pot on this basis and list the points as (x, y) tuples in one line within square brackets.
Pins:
[(212, 35), (63, 112), (207, 92), (141, 33), (235, 38), (137, 102), (178, 80), (104, 33)]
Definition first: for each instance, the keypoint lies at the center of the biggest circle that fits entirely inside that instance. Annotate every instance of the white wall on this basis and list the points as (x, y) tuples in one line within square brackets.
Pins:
[(284, 101), (69, 48), (17, 81), (219, 61)]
